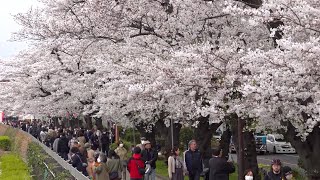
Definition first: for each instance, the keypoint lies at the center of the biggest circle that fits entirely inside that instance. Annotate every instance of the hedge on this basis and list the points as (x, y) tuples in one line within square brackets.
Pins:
[(5, 143)]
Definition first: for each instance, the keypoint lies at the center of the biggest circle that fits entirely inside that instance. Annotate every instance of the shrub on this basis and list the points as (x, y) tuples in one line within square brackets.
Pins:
[(186, 134), (130, 135), (5, 143)]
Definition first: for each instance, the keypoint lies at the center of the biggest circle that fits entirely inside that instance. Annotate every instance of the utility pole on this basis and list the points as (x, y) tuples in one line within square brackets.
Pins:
[(240, 151), (171, 120)]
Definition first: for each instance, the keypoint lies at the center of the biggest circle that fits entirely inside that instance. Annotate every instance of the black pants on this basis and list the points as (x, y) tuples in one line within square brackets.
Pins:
[(105, 148), (194, 176)]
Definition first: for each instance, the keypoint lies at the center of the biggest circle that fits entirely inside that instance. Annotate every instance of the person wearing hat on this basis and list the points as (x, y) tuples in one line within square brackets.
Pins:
[(275, 171), (287, 173), (150, 156), (141, 145)]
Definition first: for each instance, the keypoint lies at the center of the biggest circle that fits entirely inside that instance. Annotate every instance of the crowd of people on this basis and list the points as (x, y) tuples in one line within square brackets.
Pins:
[(88, 151), (217, 168)]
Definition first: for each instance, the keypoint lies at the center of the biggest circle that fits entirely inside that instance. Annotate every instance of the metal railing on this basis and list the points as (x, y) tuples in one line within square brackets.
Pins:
[(73, 171)]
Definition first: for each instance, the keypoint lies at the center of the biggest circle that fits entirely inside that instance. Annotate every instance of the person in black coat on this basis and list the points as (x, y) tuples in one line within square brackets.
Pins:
[(105, 142), (219, 168), (275, 171), (78, 161), (150, 156), (63, 148)]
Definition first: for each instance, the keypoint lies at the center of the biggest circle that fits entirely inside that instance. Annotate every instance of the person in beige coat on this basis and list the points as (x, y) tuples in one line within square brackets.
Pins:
[(175, 165), (102, 171), (122, 153)]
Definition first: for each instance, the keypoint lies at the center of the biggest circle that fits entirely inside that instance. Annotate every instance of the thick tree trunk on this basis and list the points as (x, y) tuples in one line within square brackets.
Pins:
[(165, 132), (225, 142), (249, 146), (308, 150), (88, 121), (203, 134), (98, 123)]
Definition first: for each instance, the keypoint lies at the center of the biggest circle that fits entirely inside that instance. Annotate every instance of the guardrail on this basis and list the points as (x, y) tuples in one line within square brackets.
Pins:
[(73, 171)]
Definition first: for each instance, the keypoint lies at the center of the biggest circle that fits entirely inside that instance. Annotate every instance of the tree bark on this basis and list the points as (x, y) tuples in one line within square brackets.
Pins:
[(249, 145), (203, 134), (88, 121), (308, 150), (165, 132), (98, 123), (225, 142)]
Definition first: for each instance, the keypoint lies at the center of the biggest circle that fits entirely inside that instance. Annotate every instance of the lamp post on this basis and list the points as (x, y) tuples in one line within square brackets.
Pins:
[(171, 121)]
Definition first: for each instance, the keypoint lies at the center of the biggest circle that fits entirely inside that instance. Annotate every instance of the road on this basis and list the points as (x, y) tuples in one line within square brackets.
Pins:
[(286, 159)]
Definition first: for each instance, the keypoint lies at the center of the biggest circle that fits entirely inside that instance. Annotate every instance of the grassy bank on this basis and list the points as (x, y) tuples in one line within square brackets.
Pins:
[(13, 168)]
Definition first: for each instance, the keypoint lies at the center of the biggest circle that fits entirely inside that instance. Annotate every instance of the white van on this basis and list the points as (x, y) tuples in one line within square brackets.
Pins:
[(277, 144)]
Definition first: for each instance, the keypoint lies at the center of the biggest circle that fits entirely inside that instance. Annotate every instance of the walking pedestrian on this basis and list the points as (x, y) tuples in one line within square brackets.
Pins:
[(136, 166), (275, 171), (63, 148), (122, 153), (105, 142), (102, 171), (175, 165), (193, 161), (219, 168), (115, 166), (248, 174), (150, 156)]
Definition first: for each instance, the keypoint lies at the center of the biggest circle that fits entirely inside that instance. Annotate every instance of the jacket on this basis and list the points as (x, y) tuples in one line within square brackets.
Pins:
[(121, 152), (63, 145), (219, 169), (193, 161), (77, 161), (101, 172), (105, 138), (114, 165), (151, 156), (55, 145), (173, 163), (271, 176), (132, 167)]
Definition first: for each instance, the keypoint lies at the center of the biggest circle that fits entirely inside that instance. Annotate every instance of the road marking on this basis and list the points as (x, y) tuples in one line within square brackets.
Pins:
[(281, 161)]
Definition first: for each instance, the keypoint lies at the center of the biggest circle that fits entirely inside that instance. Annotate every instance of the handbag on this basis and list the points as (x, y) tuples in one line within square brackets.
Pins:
[(141, 171), (83, 163), (113, 175)]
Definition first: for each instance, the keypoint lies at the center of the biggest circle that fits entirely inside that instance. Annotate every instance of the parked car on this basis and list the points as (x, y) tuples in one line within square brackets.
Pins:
[(261, 144), (277, 144)]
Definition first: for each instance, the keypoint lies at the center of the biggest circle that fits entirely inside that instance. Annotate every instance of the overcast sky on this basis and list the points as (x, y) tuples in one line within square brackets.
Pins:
[(8, 25)]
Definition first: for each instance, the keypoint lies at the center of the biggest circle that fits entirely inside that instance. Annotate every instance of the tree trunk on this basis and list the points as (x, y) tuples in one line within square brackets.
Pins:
[(308, 150), (165, 132), (88, 121), (98, 123), (249, 147), (203, 134), (225, 142)]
